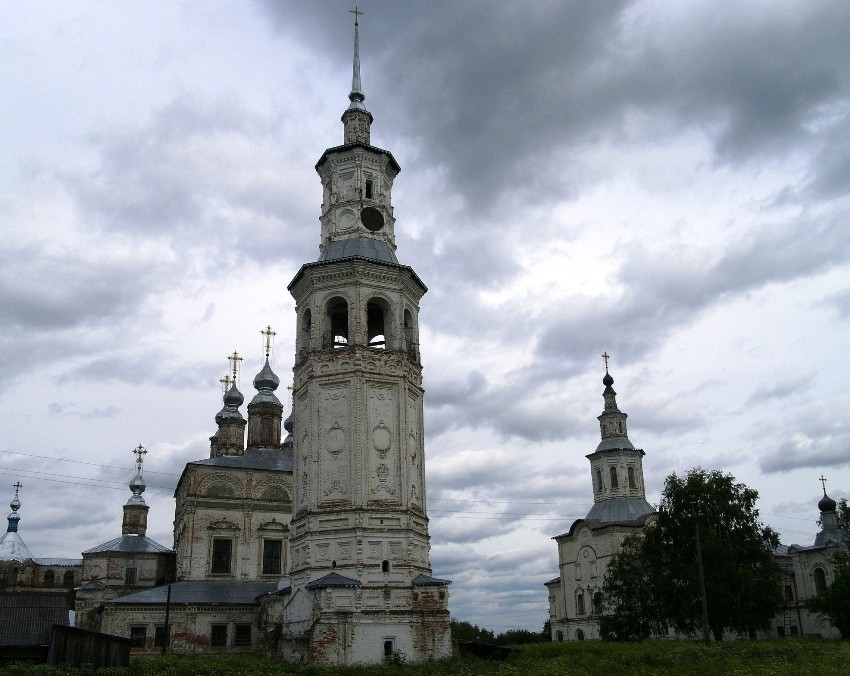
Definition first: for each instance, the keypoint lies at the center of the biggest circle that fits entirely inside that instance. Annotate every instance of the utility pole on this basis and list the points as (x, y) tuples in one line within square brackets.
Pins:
[(705, 635)]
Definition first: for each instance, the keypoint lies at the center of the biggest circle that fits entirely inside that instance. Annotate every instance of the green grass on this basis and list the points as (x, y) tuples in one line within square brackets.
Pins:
[(781, 657)]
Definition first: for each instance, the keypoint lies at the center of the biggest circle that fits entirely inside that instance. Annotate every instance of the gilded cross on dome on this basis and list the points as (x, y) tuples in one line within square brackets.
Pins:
[(140, 453), (226, 382), (268, 334), (823, 483), (605, 358), (234, 360)]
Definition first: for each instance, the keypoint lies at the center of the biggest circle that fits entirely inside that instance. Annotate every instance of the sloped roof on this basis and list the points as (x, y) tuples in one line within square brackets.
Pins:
[(12, 548), (333, 580), (619, 510), (59, 562), (200, 592), (28, 619), (423, 580), (359, 247), (136, 544), (253, 458)]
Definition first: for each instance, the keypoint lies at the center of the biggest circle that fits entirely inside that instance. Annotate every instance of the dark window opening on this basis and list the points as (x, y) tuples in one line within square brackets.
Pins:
[(129, 576), (579, 635), (820, 580), (410, 344), (222, 552), (376, 321), (368, 190), (218, 635), (614, 477), (794, 630), (388, 647), (559, 636), (385, 566), (789, 593), (242, 637), (580, 604), (632, 480), (68, 578), (599, 485), (597, 603), (159, 636), (137, 636), (333, 563), (338, 319), (272, 557), (49, 578), (307, 326)]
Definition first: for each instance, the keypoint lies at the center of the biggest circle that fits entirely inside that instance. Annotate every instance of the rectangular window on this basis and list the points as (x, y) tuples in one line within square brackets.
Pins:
[(614, 483), (222, 552), (243, 635), (159, 636), (129, 576), (272, 557), (368, 190), (794, 631), (218, 635), (388, 647), (137, 636), (789, 594)]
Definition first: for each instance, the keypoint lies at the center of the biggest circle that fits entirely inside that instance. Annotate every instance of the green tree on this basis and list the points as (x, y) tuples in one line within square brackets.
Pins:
[(843, 513), (834, 602), (742, 581), (629, 596), (466, 631)]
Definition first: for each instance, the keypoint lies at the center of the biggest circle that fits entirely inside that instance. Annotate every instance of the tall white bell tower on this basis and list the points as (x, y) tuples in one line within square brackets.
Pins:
[(361, 585)]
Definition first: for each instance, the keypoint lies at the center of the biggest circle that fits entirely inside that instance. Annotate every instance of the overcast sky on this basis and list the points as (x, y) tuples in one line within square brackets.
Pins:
[(666, 182)]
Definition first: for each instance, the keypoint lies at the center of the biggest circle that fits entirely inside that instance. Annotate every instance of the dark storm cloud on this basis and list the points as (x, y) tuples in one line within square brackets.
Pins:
[(491, 87)]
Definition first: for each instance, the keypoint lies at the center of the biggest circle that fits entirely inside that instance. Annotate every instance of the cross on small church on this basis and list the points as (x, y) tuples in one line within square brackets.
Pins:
[(17, 486), (823, 483), (605, 358), (268, 334), (234, 359), (357, 14), (140, 453), (226, 382)]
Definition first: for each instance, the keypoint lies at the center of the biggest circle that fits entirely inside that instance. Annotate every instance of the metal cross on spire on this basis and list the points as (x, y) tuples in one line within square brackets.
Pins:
[(234, 360), (605, 358), (226, 382), (17, 486), (823, 483), (268, 334), (357, 14), (140, 453)]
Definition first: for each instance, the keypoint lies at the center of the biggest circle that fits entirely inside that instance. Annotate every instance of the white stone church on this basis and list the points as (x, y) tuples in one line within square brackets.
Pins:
[(315, 547)]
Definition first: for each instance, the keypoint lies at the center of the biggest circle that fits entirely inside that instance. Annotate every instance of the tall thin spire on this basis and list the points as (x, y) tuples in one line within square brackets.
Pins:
[(356, 96)]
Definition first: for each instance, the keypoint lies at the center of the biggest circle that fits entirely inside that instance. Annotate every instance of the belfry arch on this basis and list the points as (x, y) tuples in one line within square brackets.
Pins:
[(337, 332)]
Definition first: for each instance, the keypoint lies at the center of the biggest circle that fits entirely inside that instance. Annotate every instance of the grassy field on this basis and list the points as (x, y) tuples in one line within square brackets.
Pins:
[(780, 657)]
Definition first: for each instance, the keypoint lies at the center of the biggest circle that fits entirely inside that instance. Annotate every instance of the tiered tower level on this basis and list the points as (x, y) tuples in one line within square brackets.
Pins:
[(359, 531)]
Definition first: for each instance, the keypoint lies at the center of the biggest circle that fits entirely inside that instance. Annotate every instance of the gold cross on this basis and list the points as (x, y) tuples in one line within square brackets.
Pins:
[(140, 453), (606, 357), (268, 334), (357, 14), (234, 359), (823, 483), (226, 382)]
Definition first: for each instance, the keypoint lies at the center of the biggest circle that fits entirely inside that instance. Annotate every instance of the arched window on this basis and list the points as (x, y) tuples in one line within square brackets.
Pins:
[(385, 566), (597, 603), (49, 578), (579, 634), (410, 336), (337, 334), (377, 323), (580, 610), (559, 636), (632, 480), (306, 328), (820, 580), (599, 485), (613, 471), (68, 578)]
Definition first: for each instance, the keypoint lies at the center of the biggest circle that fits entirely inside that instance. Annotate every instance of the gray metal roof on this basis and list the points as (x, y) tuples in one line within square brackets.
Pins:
[(619, 510), (28, 619), (59, 562), (254, 458), (614, 443), (12, 548), (423, 580), (201, 592), (359, 247), (333, 580), (136, 544)]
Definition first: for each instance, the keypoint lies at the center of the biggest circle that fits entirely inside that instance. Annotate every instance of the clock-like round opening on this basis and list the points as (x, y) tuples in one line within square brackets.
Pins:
[(372, 218)]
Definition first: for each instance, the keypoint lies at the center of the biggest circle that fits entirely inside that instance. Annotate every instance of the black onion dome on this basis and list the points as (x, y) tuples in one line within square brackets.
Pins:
[(827, 504), (607, 380)]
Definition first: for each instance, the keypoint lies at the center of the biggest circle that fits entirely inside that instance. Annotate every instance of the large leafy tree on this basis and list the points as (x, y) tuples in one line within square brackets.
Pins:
[(834, 602), (742, 581)]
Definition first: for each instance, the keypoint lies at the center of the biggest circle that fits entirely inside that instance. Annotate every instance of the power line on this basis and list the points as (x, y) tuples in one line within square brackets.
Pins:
[(83, 462)]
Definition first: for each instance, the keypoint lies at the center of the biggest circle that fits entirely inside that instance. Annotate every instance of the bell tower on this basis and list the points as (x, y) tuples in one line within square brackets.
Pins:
[(361, 584)]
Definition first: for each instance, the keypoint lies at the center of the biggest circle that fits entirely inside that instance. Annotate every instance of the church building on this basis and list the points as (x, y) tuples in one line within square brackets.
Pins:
[(619, 509)]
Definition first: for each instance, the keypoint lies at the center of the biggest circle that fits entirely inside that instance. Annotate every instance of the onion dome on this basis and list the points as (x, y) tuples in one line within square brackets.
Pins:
[(232, 401), (287, 425), (137, 486), (827, 504), (266, 382), (607, 380)]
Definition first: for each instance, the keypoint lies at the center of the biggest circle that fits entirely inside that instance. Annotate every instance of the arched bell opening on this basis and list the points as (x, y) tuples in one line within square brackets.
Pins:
[(337, 322), (378, 325), (411, 344)]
